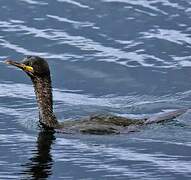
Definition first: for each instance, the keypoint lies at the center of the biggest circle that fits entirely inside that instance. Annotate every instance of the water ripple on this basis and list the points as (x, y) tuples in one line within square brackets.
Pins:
[(155, 160), (75, 23), (33, 2), (104, 53), (75, 3), (152, 5), (100, 52), (169, 35)]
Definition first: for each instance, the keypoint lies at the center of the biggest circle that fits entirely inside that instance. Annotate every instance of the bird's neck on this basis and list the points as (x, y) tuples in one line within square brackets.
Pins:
[(43, 91)]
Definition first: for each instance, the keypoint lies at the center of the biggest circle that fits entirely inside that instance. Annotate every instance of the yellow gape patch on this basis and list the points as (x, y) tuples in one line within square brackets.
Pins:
[(28, 68)]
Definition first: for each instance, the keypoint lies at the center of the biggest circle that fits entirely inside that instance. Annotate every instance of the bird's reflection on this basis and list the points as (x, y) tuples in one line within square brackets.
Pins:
[(40, 165)]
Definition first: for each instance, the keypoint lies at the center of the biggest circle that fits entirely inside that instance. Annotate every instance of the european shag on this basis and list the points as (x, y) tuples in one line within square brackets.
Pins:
[(38, 70)]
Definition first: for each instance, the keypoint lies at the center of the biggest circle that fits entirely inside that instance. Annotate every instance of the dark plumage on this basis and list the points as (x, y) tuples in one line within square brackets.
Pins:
[(38, 70)]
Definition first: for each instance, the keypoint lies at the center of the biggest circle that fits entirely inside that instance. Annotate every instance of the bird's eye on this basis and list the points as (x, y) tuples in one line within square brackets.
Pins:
[(28, 63)]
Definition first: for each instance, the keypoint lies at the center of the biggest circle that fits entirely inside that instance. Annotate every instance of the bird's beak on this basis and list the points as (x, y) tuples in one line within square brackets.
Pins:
[(24, 67)]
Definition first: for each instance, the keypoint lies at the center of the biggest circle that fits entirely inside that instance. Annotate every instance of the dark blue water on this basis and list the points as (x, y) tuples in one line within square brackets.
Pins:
[(121, 56)]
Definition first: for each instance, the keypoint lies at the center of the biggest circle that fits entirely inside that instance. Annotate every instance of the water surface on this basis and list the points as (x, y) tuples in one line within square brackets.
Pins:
[(121, 56)]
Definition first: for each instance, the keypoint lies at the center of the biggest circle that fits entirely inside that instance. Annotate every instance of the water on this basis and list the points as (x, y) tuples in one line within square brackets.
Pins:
[(121, 56)]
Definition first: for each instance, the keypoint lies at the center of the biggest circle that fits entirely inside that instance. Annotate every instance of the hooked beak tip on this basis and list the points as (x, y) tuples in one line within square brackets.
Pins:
[(7, 61), (13, 63)]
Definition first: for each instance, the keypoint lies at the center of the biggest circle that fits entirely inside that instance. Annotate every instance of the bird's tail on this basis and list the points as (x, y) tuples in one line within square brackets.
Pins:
[(165, 116)]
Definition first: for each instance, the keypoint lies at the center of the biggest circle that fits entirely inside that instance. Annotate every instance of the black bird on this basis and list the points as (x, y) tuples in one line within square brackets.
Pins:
[(38, 70)]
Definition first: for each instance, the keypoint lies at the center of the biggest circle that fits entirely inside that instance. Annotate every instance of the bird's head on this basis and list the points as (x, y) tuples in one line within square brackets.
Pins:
[(34, 66), (38, 70)]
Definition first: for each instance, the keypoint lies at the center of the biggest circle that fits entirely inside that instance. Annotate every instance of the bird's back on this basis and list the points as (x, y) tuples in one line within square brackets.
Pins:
[(101, 124), (111, 124)]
